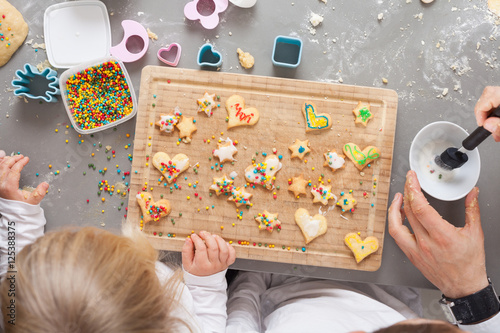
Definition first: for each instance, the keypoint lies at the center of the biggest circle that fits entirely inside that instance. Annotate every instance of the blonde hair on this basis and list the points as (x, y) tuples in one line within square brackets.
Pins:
[(90, 280)]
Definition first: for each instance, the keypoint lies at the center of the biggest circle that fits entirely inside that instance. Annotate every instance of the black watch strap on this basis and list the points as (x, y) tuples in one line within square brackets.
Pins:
[(474, 308)]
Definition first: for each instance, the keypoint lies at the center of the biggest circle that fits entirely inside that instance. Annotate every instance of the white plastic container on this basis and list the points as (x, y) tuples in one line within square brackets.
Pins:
[(64, 94)]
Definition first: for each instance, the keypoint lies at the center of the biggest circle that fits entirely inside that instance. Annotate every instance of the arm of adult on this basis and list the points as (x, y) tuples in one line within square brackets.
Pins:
[(21, 217), (205, 259), (489, 100)]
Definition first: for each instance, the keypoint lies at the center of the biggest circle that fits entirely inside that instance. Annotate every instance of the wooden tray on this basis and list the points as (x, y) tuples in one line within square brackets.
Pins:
[(281, 122)]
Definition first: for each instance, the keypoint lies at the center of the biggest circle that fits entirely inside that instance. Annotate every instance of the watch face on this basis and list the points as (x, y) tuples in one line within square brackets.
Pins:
[(447, 312)]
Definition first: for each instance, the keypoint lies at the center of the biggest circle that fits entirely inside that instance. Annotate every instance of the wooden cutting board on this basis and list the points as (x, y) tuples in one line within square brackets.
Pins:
[(281, 121)]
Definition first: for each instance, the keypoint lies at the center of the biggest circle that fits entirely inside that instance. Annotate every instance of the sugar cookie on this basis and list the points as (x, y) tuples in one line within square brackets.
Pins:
[(186, 128), (239, 196), (297, 185), (347, 202), (222, 185), (361, 158), (311, 226), (263, 173), (315, 121), (334, 161), (238, 115), (168, 121), (207, 103), (170, 168), (299, 149), (225, 150), (268, 221), (152, 211), (14, 31), (361, 248), (322, 194), (362, 113)]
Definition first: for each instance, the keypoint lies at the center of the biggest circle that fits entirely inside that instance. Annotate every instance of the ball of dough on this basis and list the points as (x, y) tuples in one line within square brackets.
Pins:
[(14, 30)]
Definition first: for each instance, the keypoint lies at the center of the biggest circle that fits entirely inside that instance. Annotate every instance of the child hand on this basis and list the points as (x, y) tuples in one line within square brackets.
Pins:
[(10, 174), (206, 258)]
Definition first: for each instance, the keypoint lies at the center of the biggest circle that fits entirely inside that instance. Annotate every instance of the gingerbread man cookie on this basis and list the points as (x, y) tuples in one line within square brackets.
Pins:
[(347, 202), (362, 113), (239, 196), (299, 149), (238, 115), (168, 121), (361, 158), (225, 150), (297, 185), (334, 161), (207, 103), (322, 194), (186, 128), (170, 167), (311, 226), (315, 121), (268, 221), (263, 173), (222, 185), (359, 247), (152, 211)]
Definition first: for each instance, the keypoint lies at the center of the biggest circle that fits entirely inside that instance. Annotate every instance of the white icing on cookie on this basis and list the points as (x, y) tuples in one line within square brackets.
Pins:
[(233, 174), (309, 224), (263, 173), (334, 160), (226, 151), (207, 104)]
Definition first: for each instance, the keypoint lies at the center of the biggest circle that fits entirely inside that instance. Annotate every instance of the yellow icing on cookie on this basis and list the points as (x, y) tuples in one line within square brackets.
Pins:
[(361, 248)]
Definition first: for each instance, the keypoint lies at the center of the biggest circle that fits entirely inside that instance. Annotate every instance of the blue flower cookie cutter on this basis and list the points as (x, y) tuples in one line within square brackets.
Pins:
[(35, 85)]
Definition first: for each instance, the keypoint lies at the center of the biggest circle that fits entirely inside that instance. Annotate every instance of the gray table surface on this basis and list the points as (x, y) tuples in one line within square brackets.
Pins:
[(421, 50)]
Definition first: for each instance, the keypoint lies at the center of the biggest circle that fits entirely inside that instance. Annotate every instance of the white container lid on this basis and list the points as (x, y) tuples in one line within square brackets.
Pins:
[(76, 32)]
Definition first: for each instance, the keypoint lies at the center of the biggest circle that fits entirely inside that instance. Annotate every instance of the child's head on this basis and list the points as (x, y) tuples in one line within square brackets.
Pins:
[(90, 280)]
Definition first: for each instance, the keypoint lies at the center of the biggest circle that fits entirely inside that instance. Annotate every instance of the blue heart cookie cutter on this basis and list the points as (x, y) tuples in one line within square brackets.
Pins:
[(207, 56), (35, 85)]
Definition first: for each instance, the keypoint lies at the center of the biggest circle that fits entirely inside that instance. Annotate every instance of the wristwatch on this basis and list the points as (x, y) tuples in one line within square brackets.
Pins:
[(473, 308)]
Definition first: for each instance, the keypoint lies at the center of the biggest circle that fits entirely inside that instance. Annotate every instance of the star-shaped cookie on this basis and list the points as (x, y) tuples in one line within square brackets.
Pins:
[(268, 221), (222, 185), (297, 185), (207, 103), (347, 202), (299, 149), (362, 113), (167, 123), (225, 150), (186, 128), (322, 194), (239, 196), (334, 160)]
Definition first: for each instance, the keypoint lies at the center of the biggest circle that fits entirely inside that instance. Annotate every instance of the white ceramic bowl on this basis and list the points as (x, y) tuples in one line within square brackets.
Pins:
[(432, 140)]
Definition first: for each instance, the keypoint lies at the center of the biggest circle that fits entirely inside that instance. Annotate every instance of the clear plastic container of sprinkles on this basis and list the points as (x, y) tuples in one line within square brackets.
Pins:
[(98, 95)]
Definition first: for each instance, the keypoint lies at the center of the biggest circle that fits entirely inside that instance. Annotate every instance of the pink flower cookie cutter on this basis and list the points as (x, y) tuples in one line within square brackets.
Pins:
[(170, 55), (206, 11), (131, 29)]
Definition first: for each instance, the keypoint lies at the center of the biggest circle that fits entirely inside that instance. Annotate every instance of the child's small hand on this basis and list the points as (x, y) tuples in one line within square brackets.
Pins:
[(10, 174), (206, 258)]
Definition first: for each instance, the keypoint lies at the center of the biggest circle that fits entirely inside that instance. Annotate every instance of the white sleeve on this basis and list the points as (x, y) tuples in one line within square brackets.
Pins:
[(489, 326), (209, 297), (243, 306), (20, 225)]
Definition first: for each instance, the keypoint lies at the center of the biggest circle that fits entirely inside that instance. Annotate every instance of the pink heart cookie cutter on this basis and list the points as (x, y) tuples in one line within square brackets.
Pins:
[(131, 29), (170, 55), (206, 11)]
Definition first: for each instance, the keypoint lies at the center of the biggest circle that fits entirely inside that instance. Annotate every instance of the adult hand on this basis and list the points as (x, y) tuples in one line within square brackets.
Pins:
[(206, 254), (10, 174), (453, 259), (490, 99)]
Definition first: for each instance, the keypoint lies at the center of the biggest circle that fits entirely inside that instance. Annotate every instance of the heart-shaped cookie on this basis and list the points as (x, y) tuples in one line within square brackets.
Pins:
[(170, 167), (238, 115), (361, 248), (152, 211), (361, 158), (315, 121), (263, 173), (170, 55), (311, 226)]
